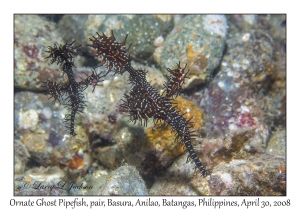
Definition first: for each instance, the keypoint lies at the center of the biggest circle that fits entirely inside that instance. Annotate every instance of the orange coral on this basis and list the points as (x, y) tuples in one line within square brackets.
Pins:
[(161, 137)]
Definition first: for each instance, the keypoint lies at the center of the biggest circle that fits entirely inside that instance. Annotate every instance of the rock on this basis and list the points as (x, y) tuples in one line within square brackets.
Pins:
[(277, 144), (32, 35), (142, 31), (28, 119), (198, 41), (175, 180), (21, 156), (125, 181), (231, 102)]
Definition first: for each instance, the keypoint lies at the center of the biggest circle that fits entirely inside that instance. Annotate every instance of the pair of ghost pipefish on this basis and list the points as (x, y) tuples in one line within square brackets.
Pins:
[(142, 102)]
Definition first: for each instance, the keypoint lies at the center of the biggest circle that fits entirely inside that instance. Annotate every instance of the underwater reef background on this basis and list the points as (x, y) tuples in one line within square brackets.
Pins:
[(235, 94)]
